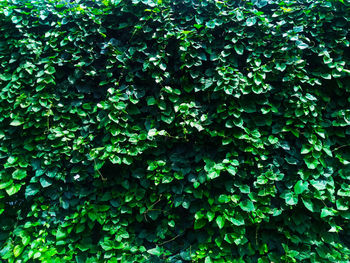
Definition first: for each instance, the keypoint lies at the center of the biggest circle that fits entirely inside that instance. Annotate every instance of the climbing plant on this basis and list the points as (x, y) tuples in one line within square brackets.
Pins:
[(174, 131)]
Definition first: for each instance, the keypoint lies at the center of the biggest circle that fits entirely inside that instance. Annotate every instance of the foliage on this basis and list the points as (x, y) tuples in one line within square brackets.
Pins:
[(174, 131)]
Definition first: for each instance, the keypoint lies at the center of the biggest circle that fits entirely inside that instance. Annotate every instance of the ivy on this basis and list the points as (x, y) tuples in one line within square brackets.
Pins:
[(174, 131)]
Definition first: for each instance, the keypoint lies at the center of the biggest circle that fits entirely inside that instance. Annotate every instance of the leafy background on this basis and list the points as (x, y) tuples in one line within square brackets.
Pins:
[(174, 131)]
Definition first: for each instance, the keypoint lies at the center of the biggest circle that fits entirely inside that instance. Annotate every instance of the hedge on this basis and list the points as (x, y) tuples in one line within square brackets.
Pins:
[(174, 131)]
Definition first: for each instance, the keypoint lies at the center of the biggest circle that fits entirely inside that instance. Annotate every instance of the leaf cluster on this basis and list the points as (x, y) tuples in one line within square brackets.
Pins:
[(174, 131)]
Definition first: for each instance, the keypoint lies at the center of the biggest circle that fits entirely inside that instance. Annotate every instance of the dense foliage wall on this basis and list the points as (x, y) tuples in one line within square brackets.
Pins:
[(174, 131)]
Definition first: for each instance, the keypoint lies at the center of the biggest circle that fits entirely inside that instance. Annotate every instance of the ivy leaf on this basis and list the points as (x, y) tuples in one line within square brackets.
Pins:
[(239, 15), (19, 174), (119, 116), (5, 184), (210, 24), (5, 77), (31, 190), (14, 188), (45, 182), (311, 162), (251, 21), (12, 159), (301, 44), (305, 149), (239, 48), (308, 204), (310, 97), (157, 251), (200, 223), (162, 66), (50, 70), (16, 122), (291, 199), (300, 187), (17, 251), (326, 212), (341, 205), (318, 184), (247, 205), (238, 220), (61, 234), (210, 216), (220, 221), (232, 170), (298, 29), (213, 174), (281, 66)]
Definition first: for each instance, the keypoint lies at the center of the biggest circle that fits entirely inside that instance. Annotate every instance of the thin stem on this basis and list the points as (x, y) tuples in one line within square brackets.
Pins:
[(167, 241), (335, 149)]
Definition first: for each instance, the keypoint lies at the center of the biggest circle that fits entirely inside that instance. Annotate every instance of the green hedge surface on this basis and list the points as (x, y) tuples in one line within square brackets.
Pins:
[(174, 131)]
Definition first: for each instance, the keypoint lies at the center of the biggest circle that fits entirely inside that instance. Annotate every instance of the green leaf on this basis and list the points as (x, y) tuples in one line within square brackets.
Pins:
[(245, 189), (5, 77), (232, 170), (17, 251), (224, 199), (301, 44), (116, 160), (12, 159), (31, 190), (213, 174), (16, 123), (93, 215), (25, 239), (6, 252), (238, 220), (328, 152), (310, 97), (14, 188), (291, 199), (281, 66), (210, 216), (220, 221), (186, 204), (45, 182), (311, 162), (251, 21), (162, 66), (210, 24), (19, 174), (61, 234), (300, 187), (4, 185), (151, 101), (272, 139), (341, 205), (239, 15), (157, 251), (198, 224), (305, 149), (50, 70), (326, 212), (308, 204), (318, 184), (247, 205), (298, 29), (80, 228), (239, 48), (167, 119)]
